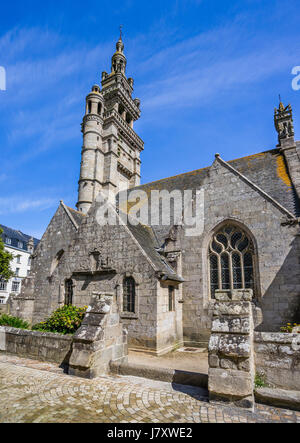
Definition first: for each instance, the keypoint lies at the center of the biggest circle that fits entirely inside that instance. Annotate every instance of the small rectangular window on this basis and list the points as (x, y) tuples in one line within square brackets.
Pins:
[(18, 259), (129, 295), (8, 241), (171, 298), (17, 271), (15, 286), (3, 285)]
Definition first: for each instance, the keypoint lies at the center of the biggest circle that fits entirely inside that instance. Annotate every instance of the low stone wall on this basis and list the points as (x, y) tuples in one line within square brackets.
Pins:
[(100, 340), (42, 346), (277, 359)]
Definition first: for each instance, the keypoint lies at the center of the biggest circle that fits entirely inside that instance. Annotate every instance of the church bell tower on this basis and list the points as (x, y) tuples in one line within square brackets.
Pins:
[(110, 157)]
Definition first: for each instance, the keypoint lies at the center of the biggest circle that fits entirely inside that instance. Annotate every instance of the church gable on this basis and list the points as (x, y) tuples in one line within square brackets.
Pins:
[(285, 212), (118, 243), (227, 190), (59, 232)]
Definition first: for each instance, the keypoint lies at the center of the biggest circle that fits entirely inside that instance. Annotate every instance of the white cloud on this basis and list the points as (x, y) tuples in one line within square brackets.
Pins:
[(205, 66), (19, 204)]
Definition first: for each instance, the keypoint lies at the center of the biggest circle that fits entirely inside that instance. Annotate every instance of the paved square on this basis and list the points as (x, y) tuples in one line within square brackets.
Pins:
[(36, 392)]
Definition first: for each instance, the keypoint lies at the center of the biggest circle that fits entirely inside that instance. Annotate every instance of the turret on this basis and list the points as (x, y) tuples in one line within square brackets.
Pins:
[(111, 148), (30, 245), (91, 158)]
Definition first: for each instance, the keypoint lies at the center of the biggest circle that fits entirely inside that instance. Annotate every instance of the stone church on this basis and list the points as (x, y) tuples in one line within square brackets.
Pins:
[(162, 279)]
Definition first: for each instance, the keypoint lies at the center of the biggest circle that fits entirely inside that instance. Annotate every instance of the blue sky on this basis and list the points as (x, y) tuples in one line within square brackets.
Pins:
[(208, 73)]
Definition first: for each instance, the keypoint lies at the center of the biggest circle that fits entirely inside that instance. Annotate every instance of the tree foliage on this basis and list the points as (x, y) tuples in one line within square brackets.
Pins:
[(5, 258)]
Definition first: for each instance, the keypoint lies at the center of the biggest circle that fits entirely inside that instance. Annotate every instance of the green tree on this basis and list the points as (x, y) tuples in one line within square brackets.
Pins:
[(5, 258)]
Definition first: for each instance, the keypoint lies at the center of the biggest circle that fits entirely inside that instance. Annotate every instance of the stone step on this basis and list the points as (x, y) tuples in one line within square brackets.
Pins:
[(278, 397), (161, 374)]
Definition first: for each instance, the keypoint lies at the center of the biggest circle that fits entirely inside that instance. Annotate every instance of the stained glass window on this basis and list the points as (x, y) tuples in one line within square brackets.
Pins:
[(231, 257)]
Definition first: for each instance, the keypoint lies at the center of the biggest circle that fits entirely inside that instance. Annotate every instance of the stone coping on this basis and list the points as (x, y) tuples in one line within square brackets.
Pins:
[(276, 337), (26, 332)]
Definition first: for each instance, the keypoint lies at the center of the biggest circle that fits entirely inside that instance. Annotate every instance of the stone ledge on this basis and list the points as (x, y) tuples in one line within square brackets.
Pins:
[(26, 332), (275, 337), (278, 397), (161, 374)]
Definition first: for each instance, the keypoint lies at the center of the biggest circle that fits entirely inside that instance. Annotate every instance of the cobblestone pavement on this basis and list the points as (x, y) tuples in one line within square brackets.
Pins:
[(32, 391)]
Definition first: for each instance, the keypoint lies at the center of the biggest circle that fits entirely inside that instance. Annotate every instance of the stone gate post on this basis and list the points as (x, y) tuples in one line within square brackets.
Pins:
[(231, 349)]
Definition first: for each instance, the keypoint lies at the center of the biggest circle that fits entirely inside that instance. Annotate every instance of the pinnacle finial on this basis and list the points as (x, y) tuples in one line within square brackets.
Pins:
[(120, 44), (281, 105)]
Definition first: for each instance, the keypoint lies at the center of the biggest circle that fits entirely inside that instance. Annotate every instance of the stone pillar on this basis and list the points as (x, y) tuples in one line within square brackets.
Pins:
[(231, 349), (100, 340)]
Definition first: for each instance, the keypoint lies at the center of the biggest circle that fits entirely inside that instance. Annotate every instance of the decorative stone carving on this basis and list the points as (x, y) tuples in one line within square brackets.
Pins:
[(172, 258), (283, 118)]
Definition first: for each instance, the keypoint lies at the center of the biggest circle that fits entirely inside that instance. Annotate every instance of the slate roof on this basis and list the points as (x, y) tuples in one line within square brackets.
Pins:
[(17, 236), (146, 238), (268, 170), (77, 215)]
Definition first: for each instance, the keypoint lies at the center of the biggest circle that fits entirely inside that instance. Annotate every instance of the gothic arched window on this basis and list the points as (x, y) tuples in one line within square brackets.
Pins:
[(231, 260), (129, 295)]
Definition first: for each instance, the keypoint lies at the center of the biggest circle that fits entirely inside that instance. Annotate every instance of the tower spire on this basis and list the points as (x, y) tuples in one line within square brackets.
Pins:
[(119, 61)]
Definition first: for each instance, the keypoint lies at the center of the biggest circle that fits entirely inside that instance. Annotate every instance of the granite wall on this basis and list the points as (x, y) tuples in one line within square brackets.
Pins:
[(277, 359)]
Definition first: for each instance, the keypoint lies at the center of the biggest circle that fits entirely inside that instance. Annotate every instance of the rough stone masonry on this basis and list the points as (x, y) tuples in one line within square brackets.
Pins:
[(231, 350), (100, 340)]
